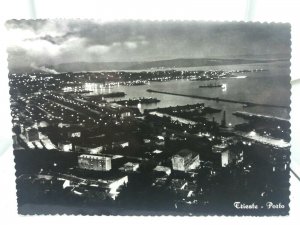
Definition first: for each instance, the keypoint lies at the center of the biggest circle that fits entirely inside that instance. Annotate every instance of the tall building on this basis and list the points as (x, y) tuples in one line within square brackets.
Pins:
[(93, 162), (219, 148), (185, 160), (227, 157), (223, 127), (223, 121)]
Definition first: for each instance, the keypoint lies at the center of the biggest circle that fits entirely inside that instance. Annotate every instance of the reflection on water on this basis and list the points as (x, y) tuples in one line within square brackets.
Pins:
[(97, 88), (224, 87), (271, 86)]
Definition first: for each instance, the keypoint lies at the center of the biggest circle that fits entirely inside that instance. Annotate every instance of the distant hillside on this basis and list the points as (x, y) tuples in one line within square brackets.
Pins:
[(94, 66), (172, 63)]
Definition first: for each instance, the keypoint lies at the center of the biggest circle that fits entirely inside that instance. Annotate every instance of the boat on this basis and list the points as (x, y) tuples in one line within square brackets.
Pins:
[(211, 85)]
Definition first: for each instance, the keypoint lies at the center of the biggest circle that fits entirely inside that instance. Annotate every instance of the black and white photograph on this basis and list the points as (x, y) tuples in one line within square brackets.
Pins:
[(186, 118)]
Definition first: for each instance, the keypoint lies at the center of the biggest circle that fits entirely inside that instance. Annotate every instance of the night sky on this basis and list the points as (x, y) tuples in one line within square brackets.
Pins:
[(42, 43)]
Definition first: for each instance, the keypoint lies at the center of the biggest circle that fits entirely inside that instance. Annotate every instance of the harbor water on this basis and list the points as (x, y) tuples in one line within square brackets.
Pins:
[(270, 86)]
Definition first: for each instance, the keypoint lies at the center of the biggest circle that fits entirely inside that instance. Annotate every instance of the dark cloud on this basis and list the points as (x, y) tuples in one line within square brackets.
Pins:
[(34, 25), (58, 41)]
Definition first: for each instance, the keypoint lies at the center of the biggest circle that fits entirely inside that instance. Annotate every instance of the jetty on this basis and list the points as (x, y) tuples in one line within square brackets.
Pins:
[(137, 101), (248, 104)]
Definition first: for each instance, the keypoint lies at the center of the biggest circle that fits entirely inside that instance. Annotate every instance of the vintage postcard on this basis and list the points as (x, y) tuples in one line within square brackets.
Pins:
[(150, 118)]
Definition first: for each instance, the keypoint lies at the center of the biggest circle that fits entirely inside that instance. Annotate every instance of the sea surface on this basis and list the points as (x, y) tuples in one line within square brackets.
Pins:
[(271, 86)]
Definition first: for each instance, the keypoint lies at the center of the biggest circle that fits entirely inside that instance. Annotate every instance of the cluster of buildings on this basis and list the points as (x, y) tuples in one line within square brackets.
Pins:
[(113, 143)]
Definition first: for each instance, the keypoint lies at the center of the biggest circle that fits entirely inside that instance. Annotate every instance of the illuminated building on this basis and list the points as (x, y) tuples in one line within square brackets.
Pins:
[(120, 144), (129, 166), (227, 157), (219, 148), (185, 160), (74, 134), (163, 169), (93, 162), (65, 146), (125, 114), (91, 149)]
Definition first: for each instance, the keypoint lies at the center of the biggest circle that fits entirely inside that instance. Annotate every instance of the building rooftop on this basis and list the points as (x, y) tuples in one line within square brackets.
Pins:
[(221, 146), (185, 153), (88, 145), (131, 164), (156, 151), (92, 156), (164, 169)]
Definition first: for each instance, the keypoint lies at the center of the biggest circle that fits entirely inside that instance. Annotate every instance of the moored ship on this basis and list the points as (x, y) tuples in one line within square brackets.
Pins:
[(211, 85)]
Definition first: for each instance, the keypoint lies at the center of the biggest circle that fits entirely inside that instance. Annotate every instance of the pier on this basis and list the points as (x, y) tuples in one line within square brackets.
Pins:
[(137, 101), (219, 99), (248, 115), (107, 95)]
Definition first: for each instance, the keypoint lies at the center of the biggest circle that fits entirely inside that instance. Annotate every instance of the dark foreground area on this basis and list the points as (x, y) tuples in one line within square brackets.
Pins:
[(217, 194)]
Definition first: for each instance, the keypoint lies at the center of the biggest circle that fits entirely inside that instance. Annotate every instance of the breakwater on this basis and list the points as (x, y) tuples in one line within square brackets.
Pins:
[(245, 103)]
